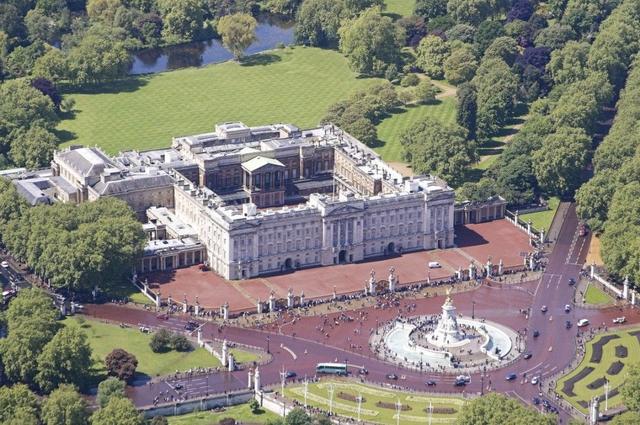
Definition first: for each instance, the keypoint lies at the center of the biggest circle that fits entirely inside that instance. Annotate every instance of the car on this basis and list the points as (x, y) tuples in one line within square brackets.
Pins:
[(572, 281), (363, 371), (536, 333), (620, 319), (582, 322), (536, 401), (178, 386), (392, 376), (544, 309), (511, 376), (465, 378), (567, 308), (567, 324), (290, 374), (191, 326), (5, 265), (527, 356), (460, 383), (434, 265), (535, 380), (430, 383)]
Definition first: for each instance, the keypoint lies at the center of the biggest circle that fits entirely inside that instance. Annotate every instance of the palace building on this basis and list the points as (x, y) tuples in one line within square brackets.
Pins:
[(249, 201)]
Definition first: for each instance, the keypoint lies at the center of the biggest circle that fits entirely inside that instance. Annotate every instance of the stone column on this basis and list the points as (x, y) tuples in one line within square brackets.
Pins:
[(515, 217), (200, 337), (290, 298), (272, 302), (259, 306), (302, 299), (542, 236), (489, 268), (225, 353), (472, 271), (197, 308), (392, 279), (231, 363), (335, 294), (633, 297), (256, 380), (593, 270), (225, 311), (372, 285), (625, 288), (531, 262), (529, 228), (500, 267), (250, 379), (185, 306), (459, 273)]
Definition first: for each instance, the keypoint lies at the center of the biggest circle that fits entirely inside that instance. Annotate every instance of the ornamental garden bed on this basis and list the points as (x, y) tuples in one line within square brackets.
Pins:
[(596, 384), (387, 405), (350, 397), (615, 368), (568, 385), (621, 351), (596, 355), (442, 410)]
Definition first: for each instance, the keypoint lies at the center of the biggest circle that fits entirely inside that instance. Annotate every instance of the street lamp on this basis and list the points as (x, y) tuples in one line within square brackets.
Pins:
[(473, 309), (268, 339)]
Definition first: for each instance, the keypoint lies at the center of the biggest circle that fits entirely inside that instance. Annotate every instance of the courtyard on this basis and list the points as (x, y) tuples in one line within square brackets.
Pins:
[(477, 242)]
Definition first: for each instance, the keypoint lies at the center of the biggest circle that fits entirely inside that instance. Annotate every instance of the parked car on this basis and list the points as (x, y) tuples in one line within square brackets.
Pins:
[(544, 309), (290, 374), (363, 371), (582, 229), (583, 322), (567, 308), (191, 325), (567, 324), (430, 383), (511, 376), (465, 378), (434, 265), (620, 319), (527, 356), (536, 333), (178, 386), (392, 376), (572, 281), (535, 380), (460, 383)]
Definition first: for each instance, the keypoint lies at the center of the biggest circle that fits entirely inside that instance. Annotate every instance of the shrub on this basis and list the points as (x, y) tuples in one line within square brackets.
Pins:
[(180, 343), (160, 341), (227, 421), (121, 364), (410, 80)]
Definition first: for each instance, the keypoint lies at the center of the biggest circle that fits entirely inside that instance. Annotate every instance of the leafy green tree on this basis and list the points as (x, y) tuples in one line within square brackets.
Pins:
[(431, 54), (410, 80), (103, 10), (354, 7), (477, 191), (118, 411), (469, 11), (371, 42), (436, 148), (461, 65), (182, 19), (631, 389), (180, 342), (555, 36), (467, 109), (160, 341), (97, 58), (238, 32), (20, 62), (569, 64), (559, 163), (627, 418), (121, 364), (11, 203), (17, 398), (584, 15), (425, 92), (66, 359), (362, 129), (429, 9), (41, 26), (504, 48), (33, 148), (23, 416), (65, 406), (297, 417), (462, 32), (108, 389), (52, 66), (487, 32), (318, 22), (594, 197), (159, 420), (494, 409)]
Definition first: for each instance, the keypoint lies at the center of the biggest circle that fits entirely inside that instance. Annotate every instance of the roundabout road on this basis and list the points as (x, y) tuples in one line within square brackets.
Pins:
[(301, 346)]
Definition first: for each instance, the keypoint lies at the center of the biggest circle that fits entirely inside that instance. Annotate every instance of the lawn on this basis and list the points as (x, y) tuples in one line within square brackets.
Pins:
[(104, 337), (623, 348), (597, 296), (241, 413), (345, 393), (400, 7), (542, 220), (291, 85), (390, 129)]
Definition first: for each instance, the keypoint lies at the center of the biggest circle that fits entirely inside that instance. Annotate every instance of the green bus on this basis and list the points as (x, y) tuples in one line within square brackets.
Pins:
[(332, 369)]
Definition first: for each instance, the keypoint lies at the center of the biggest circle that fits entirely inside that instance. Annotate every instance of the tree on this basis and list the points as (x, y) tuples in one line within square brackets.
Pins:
[(496, 86), (182, 19), (180, 342), (504, 48), (118, 411), (627, 418), (362, 129), (499, 409), (631, 389), (431, 54), (297, 417), (160, 420), (569, 64), (17, 398), (108, 389), (160, 341), (47, 88), (477, 191), (318, 22), (371, 42), (97, 58), (121, 364), (487, 32), (33, 148), (103, 10), (462, 32), (521, 9), (21, 60), (461, 65), (429, 9), (467, 108), (559, 163), (41, 26), (66, 359), (425, 92), (443, 150), (594, 198), (51, 66), (354, 7), (555, 36), (238, 32), (469, 11), (65, 406), (414, 29)]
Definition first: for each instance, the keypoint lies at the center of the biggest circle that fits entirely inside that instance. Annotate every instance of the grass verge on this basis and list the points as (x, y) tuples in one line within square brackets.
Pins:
[(542, 220), (241, 413)]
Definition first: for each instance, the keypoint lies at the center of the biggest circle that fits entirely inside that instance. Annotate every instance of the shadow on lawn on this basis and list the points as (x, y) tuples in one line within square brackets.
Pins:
[(125, 85), (260, 59)]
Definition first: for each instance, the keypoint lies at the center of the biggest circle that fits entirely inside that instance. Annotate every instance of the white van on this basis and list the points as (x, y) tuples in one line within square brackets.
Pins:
[(583, 322), (434, 265)]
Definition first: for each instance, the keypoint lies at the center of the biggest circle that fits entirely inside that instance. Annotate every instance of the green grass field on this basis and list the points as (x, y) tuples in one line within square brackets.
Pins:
[(582, 393), (597, 296), (240, 413), (400, 7), (291, 85), (104, 337), (390, 129), (542, 220), (346, 391)]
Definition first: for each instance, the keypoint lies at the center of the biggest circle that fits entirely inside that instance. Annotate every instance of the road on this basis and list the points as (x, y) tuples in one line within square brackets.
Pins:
[(551, 352)]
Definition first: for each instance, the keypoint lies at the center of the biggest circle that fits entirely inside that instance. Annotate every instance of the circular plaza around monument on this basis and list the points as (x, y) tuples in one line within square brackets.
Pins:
[(445, 341)]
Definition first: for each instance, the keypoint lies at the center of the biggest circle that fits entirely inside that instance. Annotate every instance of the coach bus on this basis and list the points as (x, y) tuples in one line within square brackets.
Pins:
[(332, 368)]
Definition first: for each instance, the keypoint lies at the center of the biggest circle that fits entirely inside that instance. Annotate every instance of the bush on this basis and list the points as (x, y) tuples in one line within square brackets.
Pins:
[(121, 364), (425, 92), (410, 80), (160, 341), (159, 420), (180, 343), (227, 421), (254, 406), (406, 97)]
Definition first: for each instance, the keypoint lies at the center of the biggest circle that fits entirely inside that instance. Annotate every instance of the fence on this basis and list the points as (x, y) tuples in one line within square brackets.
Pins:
[(526, 227), (205, 403)]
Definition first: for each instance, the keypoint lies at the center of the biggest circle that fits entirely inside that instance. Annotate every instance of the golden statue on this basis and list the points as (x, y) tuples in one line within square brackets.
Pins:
[(448, 300)]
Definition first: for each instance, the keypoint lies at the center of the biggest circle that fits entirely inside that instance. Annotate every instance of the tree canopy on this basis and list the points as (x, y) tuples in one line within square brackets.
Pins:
[(238, 31)]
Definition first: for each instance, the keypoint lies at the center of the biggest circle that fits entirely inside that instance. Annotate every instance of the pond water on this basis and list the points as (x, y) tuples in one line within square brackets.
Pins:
[(269, 33)]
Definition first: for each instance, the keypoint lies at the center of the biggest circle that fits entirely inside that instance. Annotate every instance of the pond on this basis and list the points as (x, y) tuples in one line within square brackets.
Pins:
[(269, 33)]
